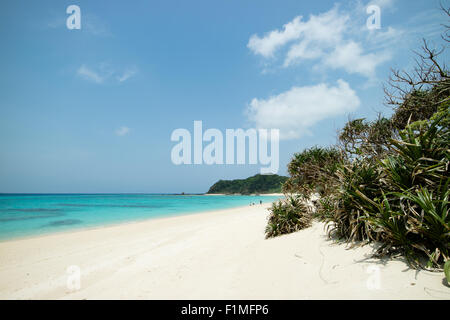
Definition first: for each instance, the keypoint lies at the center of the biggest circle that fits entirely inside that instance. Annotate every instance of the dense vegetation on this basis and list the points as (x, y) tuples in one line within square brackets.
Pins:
[(288, 215), (270, 183), (386, 180)]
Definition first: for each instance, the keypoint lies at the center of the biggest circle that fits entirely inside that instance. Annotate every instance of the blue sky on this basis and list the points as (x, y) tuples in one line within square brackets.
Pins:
[(92, 110)]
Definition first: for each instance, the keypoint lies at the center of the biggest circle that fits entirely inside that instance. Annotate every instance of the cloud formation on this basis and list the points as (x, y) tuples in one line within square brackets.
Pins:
[(122, 131), (128, 73), (104, 72), (90, 74), (351, 58), (298, 109), (330, 39)]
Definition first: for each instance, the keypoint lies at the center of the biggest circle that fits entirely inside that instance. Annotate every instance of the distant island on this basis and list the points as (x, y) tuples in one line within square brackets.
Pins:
[(259, 183)]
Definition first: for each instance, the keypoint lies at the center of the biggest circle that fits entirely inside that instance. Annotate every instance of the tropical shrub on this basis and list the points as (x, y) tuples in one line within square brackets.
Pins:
[(401, 200), (311, 169), (288, 215), (447, 271), (346, 210), (421, 156), (387, 180), (367, 139)]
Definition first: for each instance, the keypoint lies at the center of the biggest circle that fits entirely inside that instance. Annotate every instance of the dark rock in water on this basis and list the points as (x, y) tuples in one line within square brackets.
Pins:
[(66, 222)]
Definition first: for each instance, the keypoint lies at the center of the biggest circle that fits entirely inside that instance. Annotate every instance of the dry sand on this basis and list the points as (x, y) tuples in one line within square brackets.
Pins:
[(214, 255)]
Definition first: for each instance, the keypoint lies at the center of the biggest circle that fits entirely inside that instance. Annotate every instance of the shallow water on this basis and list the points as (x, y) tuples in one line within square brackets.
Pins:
[(34, 214)]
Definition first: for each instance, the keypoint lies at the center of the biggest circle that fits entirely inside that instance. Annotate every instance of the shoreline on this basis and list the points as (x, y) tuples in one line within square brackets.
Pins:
[(219, 254), (116, 224), (112, 224), (240, 194)]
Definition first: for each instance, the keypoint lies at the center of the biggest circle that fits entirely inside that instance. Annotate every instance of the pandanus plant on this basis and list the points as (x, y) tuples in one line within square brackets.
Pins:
[(288, 215)]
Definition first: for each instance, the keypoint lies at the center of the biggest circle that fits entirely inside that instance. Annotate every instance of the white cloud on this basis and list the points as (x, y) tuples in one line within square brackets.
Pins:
[(324, 28), (122, 131), (350, 57), (382, 39), (295, 111), (128, 73), (90, 74), (273, 40), (333, 39), (320, 33), (104, 72)]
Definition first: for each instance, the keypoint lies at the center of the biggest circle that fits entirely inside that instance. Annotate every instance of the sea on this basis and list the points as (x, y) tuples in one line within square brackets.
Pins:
[(27, 215)]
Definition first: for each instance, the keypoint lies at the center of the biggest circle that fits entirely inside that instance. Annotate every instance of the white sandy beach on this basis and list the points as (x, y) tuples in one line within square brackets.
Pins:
[(214, 255)]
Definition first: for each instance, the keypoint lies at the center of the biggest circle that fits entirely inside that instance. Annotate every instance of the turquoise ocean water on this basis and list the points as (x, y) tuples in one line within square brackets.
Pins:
[(24, 215)]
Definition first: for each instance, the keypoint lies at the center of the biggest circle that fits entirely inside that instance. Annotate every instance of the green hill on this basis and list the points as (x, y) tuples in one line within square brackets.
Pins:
[(259, 183)]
